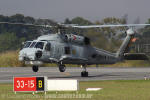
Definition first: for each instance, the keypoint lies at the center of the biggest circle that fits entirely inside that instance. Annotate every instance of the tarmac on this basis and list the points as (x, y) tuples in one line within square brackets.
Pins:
[(95, 73)]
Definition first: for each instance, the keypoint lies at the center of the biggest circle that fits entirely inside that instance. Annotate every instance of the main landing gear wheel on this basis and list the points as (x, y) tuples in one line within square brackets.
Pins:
[(84, 73), (35, 68), (62, 68)]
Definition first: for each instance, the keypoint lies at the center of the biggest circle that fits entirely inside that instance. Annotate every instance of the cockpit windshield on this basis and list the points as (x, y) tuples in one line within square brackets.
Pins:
[(33, 44), (39, 45), (27, 44)]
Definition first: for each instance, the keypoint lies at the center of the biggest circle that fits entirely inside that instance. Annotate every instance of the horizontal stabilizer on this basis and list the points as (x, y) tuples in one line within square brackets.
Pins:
[(135, 56)]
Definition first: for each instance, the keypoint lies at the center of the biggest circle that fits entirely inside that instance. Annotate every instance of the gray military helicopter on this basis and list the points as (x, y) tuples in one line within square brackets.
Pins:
[(64, 49)]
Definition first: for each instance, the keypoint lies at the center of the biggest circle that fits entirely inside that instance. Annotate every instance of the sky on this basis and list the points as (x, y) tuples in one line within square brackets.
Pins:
[(92, 10)]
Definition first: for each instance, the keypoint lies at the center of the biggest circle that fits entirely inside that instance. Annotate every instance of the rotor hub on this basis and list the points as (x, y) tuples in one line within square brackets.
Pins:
[(130, 31)]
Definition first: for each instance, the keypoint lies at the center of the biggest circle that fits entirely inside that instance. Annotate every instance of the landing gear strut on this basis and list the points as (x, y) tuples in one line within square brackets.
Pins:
[(62, 68), (35, 68), (84, 73)]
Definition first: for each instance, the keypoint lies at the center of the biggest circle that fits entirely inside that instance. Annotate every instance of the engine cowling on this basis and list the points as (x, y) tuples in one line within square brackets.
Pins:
[(78, 39)]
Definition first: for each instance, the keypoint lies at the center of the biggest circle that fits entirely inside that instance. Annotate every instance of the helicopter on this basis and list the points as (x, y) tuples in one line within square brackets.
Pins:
[(65, 49)]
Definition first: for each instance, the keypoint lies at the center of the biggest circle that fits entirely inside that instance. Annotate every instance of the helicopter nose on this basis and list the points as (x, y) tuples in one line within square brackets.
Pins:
[(26, 57), (27, 54), (21, 56)]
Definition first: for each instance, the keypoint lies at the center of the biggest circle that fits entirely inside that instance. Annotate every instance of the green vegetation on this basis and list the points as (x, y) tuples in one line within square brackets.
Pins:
[(10, 59), (20, 33), (112, 90), (105, 38), (131, 63), (9, 41), (12, 36)]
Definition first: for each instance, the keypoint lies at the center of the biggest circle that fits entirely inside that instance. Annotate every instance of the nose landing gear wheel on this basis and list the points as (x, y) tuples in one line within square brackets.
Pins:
[(35, 68), (84, 74), (62, 68)]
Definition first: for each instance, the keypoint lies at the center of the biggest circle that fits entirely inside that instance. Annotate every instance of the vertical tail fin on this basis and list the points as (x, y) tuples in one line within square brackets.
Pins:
[(125, 45)]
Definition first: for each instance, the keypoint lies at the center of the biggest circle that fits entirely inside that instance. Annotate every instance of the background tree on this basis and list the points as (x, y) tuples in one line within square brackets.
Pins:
[(8, 41), (105, 38), (80, 21)]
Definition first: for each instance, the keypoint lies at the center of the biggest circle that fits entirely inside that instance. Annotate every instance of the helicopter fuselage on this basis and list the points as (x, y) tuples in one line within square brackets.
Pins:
[(64, 49)]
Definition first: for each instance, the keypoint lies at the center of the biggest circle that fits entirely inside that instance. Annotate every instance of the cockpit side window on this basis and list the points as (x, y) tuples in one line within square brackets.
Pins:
[(48, 47), (27, 44), (39, 45)]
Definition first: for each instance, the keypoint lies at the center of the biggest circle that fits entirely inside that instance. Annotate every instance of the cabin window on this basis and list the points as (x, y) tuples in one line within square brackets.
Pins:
[(48, 47), (67, 50)]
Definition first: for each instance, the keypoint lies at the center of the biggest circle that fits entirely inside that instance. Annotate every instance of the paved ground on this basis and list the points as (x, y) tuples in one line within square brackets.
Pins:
[(100, 73)]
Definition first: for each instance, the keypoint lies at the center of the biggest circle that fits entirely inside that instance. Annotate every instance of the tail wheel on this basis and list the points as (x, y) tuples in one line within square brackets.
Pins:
[(62, 68), (84, 73), (35, 68)]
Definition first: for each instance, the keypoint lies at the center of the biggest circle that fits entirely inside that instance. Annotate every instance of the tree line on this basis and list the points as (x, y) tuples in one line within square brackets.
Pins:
[(12, 36)]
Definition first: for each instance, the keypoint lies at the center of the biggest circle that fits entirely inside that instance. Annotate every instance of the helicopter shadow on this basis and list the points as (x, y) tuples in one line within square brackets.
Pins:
[(90, 76)]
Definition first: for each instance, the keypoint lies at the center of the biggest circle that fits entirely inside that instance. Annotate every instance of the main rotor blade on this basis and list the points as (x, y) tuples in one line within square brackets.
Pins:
[(77, 26), (104, 26), (26, 24)]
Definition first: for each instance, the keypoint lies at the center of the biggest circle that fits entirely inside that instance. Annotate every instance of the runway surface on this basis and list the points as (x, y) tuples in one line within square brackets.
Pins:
[(100, 73)]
